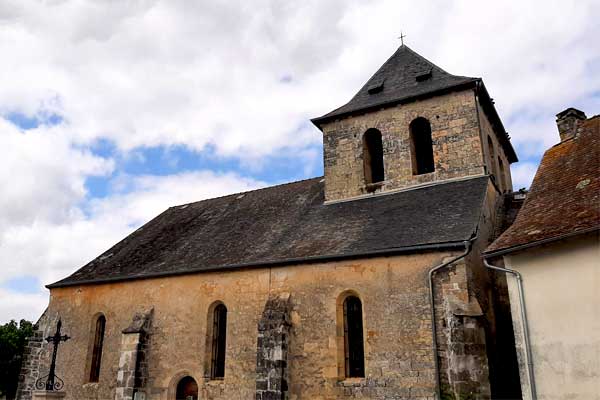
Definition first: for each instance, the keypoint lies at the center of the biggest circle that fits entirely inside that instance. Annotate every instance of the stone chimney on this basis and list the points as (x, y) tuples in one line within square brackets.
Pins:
[(568, 121)]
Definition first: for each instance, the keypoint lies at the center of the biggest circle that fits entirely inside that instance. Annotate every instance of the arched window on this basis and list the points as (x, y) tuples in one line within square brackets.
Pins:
[(502, 177), (97, 348), (187, 389), (492, 156), (353, 338), (421, 146), (218, 342), (373, 156)]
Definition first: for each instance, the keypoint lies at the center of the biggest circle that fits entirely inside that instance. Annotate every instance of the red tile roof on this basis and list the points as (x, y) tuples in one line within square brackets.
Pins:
[(565, 194)]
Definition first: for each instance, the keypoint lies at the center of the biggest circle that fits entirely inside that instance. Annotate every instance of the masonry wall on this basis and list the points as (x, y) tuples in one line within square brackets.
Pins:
[(36, 356), (502, 180), (488, 290), (561, 282), (456, 140), (397, 329)]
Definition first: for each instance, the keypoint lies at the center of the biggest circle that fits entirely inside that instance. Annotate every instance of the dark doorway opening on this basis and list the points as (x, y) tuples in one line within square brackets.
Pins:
[(187, 389)]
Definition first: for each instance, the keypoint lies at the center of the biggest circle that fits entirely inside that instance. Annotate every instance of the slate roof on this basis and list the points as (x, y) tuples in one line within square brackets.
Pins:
[(289, 224), (564, 199), (405, 75)]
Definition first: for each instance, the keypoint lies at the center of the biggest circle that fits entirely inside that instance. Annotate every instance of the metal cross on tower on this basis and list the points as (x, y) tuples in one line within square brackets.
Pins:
[(51, 381), (401, 37)]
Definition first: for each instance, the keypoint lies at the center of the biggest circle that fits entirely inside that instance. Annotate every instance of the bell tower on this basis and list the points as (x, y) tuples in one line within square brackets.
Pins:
[(413, 124)]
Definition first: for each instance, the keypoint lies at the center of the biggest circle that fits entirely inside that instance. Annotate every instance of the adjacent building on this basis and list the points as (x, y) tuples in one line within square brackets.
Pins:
[(555, 248)]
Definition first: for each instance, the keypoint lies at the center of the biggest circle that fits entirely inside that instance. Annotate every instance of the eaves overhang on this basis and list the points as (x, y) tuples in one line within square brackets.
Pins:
[(269, 264)]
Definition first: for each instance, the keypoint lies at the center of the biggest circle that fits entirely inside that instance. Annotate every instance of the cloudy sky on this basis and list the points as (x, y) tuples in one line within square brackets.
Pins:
[(112, 111)]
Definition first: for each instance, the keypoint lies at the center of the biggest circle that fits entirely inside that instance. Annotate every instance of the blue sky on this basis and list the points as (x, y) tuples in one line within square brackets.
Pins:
[(104, 123)]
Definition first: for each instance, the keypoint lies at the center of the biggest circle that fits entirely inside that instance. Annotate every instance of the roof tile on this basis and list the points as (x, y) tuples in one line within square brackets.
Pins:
[(404, 75), (565, 194), (288, 222)]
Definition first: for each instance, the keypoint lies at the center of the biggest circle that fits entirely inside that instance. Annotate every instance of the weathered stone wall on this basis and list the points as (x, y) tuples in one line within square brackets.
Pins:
[(133, 371), (491, 291), (272, 372), (457, 148), (30, 365), (36, 357), (503, 181), (397, 328), (464, 371)]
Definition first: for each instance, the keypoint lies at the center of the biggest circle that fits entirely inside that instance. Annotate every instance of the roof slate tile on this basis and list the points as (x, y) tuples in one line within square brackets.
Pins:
[(565, 194), (288, 222), (399, 78)]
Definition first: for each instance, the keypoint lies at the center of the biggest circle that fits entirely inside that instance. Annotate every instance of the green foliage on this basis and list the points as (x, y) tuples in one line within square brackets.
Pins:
[(13, 338)]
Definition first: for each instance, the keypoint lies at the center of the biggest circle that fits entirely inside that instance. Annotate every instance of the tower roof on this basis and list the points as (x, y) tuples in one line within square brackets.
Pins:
[(404, 76)]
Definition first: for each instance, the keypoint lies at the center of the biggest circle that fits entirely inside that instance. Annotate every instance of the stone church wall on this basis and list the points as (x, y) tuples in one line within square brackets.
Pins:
[(397, 329), (504, 183), (456, 140), (36, 356)]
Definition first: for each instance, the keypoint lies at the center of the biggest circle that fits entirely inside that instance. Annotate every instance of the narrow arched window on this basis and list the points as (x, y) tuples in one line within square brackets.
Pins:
[(373, 156), (492, 156), (421, 146), (353, 338), (502, 177), (97, 348), (219, 335)]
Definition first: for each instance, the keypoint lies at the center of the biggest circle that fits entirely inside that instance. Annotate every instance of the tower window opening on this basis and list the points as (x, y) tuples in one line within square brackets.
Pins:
[(421, 146), (373, 156)]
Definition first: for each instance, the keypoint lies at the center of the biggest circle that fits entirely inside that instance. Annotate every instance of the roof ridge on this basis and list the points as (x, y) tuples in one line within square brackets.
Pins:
[(426, 60), (376, 72), (246, 192), (398, 50), (404, 76)]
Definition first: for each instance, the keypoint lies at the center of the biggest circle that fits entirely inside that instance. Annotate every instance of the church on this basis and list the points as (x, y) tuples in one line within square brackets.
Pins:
[(366, 283)]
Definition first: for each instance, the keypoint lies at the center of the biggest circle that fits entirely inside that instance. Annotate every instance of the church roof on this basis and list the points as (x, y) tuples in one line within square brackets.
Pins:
[(403, 77), (564, 199), (289, 224)]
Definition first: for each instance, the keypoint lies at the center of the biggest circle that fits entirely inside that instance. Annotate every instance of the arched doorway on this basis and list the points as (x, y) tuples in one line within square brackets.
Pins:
[(187, 389)]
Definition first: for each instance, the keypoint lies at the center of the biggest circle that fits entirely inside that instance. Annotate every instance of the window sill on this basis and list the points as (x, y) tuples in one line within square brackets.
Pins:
[(91, 385), (423, 173), (373, 187), (352, 382), (215, 381)]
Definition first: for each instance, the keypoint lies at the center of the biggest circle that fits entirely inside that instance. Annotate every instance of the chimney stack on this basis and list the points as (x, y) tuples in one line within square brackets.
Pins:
[(568, 121)]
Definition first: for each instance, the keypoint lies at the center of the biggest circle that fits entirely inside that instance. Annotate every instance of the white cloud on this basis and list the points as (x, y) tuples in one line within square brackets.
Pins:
[(17, 306), (51, 250), (42, 175), (148, 73), (157, 72)]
